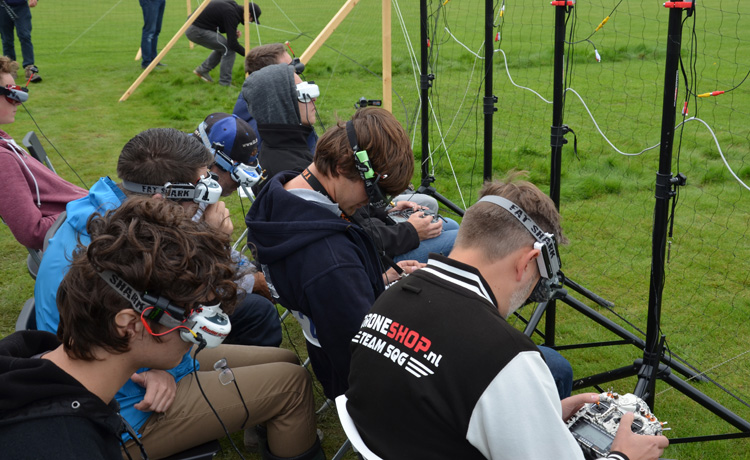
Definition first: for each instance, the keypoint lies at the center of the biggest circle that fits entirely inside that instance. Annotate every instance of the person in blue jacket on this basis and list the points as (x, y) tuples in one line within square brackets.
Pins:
[(324, 267), (153, 157)]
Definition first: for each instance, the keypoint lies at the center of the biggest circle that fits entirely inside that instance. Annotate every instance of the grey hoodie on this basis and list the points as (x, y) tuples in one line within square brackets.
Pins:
[(271, 95)]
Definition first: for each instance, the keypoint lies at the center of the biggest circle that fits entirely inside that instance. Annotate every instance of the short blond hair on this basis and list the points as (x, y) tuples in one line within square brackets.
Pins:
[(495, 230)]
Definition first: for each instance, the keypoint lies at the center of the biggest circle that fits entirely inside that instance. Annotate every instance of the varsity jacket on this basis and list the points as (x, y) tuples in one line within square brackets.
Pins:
[(436, 372), (31, 195), (324, 268), (46, 413)]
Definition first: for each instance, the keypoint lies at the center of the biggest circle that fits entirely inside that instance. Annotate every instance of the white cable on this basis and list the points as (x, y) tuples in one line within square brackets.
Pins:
[(459, 42), (723, 158), (90, 27), (505, 60), (602, 133), (15, 147)]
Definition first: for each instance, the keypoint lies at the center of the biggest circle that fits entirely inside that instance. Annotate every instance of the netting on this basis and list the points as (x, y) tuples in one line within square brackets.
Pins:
[(613, 102)]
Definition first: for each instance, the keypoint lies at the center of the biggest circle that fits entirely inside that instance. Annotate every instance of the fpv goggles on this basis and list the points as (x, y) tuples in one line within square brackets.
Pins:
[(207, 323), (15, 94), (243, 174), (307, 91)]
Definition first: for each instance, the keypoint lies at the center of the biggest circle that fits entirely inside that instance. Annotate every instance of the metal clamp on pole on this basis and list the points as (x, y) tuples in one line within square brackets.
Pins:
[(426, 81), (489, 104)]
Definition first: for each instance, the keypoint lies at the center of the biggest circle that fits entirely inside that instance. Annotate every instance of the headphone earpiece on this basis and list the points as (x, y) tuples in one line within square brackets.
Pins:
[(298, 65), (364, 167)]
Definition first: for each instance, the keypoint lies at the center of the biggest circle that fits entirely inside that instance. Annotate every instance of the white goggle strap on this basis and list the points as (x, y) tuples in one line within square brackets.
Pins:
[(549, 264)]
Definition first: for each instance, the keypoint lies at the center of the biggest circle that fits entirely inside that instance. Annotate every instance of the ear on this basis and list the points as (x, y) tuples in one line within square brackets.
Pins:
[(128, 322), (526, 262)]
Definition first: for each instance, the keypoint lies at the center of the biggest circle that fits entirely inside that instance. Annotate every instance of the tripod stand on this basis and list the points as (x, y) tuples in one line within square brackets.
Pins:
[(489, 100), (654, 364)]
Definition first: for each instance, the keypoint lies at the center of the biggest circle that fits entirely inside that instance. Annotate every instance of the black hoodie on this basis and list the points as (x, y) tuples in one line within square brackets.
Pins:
[(322, 266), (46, 413)]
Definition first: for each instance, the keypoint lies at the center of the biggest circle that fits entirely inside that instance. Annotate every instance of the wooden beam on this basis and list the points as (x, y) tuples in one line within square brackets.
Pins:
[(387, 73), (327, 31), (164, 52)]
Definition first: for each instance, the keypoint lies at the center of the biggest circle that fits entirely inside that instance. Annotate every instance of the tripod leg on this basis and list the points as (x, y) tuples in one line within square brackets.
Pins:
[(536, 316), (429, 190)]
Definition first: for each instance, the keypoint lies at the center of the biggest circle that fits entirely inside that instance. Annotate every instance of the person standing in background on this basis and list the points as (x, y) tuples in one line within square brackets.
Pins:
[(17, 14)]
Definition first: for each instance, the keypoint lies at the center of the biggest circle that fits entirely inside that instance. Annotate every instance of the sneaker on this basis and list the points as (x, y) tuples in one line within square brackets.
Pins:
[(203, 76), (32, 74)]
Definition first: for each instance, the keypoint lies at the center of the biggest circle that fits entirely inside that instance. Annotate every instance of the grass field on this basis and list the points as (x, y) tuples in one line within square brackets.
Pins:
[(85, 52)]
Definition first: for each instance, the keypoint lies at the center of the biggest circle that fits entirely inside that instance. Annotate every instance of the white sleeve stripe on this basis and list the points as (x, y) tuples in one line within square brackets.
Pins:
[(519, 415)]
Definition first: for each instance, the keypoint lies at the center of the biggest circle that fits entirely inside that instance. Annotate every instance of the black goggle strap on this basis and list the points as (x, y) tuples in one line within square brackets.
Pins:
[(149, 306), (547, 244)]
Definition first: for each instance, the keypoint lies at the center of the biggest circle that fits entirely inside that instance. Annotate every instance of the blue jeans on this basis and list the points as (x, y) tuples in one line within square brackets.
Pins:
[(561, 370), (153, 12), (22, 24), (442, 244)]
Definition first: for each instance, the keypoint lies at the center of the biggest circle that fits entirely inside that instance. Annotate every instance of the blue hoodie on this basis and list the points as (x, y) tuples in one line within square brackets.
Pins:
[(322, 266), (102, 197)]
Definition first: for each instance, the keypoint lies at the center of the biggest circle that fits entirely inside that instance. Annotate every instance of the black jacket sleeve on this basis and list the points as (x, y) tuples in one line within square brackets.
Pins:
[(394, 239)]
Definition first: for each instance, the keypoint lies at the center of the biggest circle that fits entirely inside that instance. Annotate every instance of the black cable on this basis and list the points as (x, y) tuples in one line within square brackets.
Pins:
[(85, 185), (200, 387)]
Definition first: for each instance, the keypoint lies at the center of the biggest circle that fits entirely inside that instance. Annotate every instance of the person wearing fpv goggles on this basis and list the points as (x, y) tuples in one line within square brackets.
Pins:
[(235, 148), (107, 332), (31, 195), (161, 405)]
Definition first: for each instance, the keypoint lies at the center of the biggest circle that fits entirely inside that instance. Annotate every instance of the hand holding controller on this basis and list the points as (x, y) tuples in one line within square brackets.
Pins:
[(595, 425)]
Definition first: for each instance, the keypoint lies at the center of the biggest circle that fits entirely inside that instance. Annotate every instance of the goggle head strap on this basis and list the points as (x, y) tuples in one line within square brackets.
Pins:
[(549, 261)]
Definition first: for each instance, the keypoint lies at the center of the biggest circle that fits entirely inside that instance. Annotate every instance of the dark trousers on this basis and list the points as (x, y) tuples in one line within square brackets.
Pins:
[(153, 13), (20, 20)]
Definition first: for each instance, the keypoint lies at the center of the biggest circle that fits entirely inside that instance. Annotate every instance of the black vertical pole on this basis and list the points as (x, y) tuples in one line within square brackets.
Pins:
[(425, 84), (645, 388), (489, 98), (557, 139)]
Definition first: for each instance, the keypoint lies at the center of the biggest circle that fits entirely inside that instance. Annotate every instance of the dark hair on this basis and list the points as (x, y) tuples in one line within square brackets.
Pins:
[(498, 233), (386, 143), (8, 65), (160, 155), (153, 245), (263, 56)]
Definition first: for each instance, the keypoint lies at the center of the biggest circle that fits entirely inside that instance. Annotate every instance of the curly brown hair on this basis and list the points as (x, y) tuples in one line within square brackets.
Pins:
[(386, 143), (153, 245), (8, 65)]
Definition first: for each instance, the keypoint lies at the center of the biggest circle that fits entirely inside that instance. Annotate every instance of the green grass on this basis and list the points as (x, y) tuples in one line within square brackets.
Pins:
[(85, 52)]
